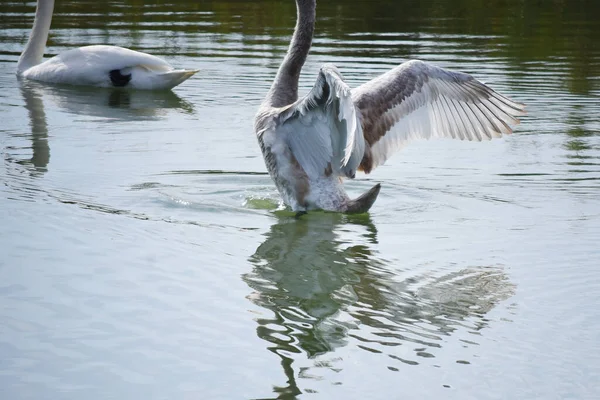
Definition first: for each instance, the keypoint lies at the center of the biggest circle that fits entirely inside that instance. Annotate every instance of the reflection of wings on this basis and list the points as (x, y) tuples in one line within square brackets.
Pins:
[(475, 289), (303, 258), (39, 127), (301, 265), (298, 271), (326, 287), (447, 300)]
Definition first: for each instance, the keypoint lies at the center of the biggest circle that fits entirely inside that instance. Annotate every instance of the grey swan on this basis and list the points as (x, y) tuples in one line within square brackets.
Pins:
[(311, 144)]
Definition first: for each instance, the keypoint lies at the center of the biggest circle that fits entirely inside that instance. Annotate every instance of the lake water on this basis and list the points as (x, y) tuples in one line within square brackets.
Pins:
[(143, 255)]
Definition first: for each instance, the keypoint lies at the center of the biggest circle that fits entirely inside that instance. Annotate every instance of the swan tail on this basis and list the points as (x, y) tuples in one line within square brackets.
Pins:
[(170, 79), (363, 203)]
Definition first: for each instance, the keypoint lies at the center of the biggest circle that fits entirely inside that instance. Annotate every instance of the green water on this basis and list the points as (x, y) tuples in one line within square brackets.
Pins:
[(143, 254)]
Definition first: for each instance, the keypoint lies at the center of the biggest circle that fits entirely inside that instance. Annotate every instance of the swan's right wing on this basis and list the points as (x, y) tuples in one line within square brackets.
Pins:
[(417, 100), (323, 129)]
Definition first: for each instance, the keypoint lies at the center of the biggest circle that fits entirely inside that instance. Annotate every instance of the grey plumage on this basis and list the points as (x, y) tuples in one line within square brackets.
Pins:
[(311, 144), (456, 106)]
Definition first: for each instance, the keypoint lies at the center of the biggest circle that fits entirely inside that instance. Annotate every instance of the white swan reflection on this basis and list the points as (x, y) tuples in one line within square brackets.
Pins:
[(39, 129), (112, 105)]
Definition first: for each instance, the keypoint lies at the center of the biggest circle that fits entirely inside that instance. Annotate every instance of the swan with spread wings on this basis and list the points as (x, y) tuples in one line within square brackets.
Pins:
[(311, 144)]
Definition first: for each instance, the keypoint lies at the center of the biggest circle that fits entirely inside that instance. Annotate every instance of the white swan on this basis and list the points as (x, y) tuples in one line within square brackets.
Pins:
[(104, 66), (311, 144)]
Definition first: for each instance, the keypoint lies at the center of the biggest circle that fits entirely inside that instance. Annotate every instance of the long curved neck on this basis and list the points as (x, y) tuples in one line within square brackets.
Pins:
[(284, 90), (34, 49)]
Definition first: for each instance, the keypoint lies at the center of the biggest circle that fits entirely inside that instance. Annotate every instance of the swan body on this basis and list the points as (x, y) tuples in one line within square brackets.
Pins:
[(311, 144), (99, 65)]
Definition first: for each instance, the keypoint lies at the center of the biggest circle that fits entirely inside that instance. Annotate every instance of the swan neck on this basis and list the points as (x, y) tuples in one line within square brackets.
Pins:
[(34, 49), (285, 87)]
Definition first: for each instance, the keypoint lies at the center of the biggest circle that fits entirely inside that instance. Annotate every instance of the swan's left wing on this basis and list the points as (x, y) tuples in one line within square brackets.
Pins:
[(418, 100), (322, 129)]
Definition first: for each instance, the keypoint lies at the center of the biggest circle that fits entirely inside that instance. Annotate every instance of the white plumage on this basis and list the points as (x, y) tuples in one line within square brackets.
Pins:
[(100, 65)]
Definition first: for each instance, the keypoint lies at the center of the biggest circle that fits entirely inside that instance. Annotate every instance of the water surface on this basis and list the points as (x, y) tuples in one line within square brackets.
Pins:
[(143, 254)]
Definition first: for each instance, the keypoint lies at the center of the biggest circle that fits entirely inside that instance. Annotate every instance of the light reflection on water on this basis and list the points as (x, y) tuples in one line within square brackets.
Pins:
[(145, 255)]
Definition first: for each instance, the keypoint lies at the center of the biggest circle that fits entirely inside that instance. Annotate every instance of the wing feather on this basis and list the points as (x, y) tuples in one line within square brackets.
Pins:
[(107, 58), (419, 101), (323, 129)]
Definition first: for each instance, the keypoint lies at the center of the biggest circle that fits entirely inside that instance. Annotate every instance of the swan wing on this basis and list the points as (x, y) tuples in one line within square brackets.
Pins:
[(107, 58), (323, 129), (417, 100)]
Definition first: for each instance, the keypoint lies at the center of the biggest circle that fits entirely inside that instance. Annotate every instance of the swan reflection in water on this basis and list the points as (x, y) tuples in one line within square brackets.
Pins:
[(39, 130), (108, 104), (325, 287)]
